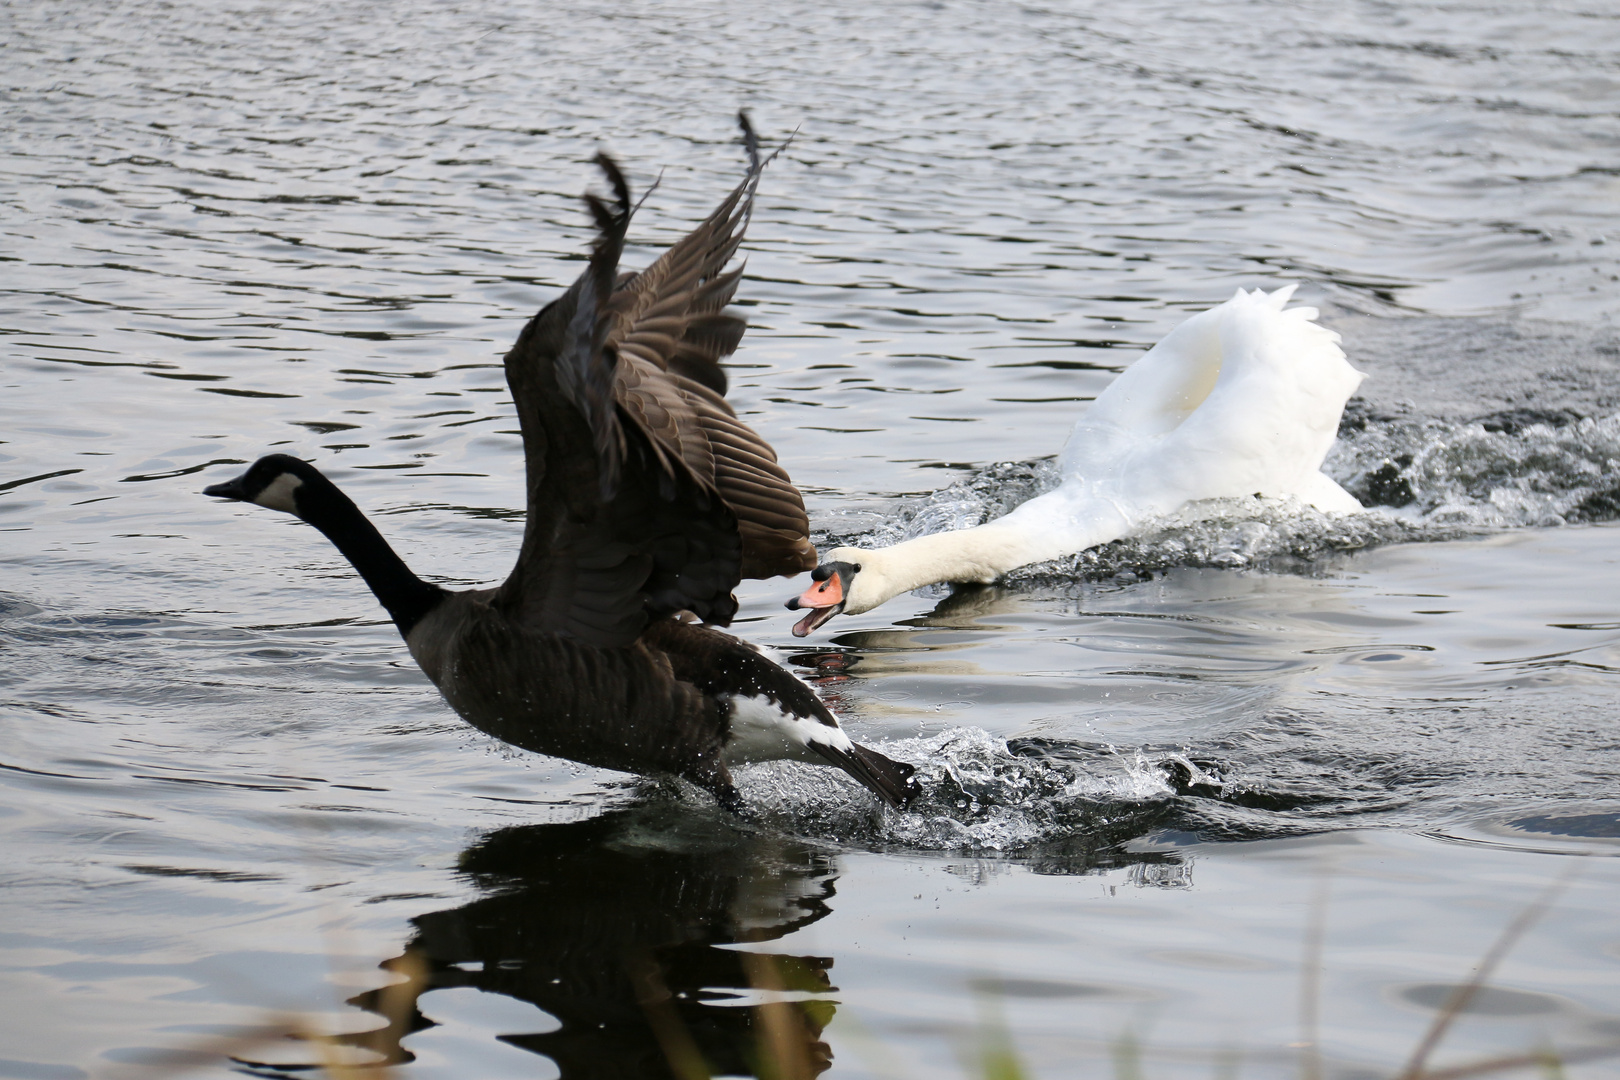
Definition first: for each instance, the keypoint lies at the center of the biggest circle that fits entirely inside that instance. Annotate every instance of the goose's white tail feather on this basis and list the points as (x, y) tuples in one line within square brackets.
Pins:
[(762, 730)]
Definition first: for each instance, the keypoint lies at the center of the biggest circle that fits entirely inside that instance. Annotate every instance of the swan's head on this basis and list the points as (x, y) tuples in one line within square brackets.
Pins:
[(850, 581), (274, 481)]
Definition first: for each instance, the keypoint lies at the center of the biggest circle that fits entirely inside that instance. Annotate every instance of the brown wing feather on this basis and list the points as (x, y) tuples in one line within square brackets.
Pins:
[(670, 331), (770, 511), (619, 531)]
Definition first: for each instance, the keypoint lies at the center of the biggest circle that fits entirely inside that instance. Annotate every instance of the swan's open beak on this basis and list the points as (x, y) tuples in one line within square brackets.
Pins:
[(824, 598)]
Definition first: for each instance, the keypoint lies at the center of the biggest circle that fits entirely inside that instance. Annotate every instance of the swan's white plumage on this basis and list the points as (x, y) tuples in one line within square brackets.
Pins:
[(1241, 399)]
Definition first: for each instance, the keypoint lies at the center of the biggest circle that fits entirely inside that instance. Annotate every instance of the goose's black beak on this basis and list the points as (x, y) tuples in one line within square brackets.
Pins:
[(825, 597), (230, 489)]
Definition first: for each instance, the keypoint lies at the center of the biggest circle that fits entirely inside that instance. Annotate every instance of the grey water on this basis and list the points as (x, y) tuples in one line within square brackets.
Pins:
[(1248, 794)]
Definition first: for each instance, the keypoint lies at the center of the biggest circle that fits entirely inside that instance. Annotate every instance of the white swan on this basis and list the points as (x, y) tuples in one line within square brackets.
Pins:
[(1241, 399)]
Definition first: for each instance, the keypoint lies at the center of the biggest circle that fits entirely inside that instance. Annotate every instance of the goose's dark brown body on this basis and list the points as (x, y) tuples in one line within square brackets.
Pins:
[(619, 708)]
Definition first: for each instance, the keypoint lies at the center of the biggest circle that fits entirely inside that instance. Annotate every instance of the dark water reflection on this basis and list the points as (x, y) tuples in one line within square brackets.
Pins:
[(615, 927), (619, 929)]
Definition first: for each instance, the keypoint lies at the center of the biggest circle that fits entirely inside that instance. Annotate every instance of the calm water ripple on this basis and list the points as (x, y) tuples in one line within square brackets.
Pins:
[(227, 796)]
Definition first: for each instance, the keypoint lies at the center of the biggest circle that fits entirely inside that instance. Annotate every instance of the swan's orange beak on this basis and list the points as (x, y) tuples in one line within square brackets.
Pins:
[(823, 593), (824, 597)]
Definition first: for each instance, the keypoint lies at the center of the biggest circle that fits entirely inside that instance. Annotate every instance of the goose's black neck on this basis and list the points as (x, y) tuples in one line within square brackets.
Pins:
[(406, 597)]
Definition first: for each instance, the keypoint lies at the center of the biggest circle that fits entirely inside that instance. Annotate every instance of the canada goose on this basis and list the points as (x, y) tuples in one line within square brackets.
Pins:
[(647, 499), (1242, 399)]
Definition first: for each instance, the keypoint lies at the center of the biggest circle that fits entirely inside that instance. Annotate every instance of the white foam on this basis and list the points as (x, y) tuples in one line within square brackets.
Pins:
[(1450, 479), (975, 795)]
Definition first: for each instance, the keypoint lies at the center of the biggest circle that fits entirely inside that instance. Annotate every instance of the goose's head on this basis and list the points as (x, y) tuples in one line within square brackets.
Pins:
[(850, 581), (276, 481)]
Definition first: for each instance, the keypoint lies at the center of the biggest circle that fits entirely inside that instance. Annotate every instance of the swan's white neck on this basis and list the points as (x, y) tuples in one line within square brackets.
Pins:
[(980, 554)]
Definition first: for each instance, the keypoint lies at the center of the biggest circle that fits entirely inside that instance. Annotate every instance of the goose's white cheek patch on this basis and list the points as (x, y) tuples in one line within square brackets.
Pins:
[(278, 494)]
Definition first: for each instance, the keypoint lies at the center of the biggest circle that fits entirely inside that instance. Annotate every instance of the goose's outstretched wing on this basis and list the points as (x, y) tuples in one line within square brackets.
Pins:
[(670, 331), (620, 528)]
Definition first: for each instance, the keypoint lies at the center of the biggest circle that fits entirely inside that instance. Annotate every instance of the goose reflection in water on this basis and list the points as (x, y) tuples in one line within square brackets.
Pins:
[(613, 926)]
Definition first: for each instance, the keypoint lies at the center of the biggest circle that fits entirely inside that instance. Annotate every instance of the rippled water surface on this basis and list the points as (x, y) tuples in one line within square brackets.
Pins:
[(1178, 788)]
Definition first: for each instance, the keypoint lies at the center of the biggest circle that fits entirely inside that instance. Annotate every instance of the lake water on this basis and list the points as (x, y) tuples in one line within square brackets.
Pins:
[(1246, 796)]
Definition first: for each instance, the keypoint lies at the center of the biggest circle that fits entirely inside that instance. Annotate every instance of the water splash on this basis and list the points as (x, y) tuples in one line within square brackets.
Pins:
[(980, 794), (1507, 470), (1072, 806), (1422, 479)]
